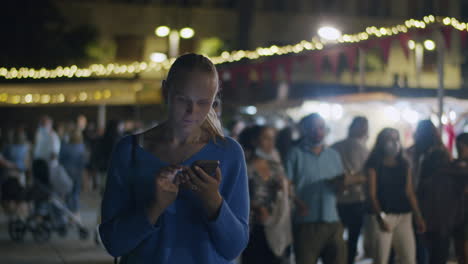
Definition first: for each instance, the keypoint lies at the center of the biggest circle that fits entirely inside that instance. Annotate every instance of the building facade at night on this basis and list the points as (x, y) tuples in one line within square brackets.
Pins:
[(230, 25), (127, 34)]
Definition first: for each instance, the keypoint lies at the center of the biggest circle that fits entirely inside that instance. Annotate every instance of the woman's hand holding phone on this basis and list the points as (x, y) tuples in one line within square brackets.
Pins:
[(207, 188), (167, 182)]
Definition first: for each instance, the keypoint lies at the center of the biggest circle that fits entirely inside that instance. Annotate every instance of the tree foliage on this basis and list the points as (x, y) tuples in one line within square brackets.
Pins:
[(35, 34)]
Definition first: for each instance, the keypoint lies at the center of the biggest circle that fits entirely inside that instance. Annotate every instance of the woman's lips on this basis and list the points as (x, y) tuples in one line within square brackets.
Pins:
[(188, 122)]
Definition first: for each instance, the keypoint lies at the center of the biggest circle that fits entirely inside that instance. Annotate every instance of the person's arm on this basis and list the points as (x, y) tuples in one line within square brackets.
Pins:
[(337, 183), (376, 208), (260, 213), (4, 163), (55, 144), (229, 232), (290, 168), (7, 164), (414, 203), (357, 174), (292, 195), (123, 225), (354, 178)]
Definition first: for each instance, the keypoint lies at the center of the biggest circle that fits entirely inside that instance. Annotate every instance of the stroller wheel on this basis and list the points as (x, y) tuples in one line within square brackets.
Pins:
[(41, 233), (83, 233), (17, 230)]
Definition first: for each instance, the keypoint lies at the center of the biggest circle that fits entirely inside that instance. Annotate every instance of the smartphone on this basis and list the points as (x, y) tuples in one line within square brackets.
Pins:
[(209, 166)]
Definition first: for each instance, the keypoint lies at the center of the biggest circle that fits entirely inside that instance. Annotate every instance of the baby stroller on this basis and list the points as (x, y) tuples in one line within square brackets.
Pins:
[(49, 213)]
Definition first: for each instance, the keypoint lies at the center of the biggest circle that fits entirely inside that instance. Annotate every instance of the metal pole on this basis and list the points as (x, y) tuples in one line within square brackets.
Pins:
[(101, 118), (419, 54), (362, 69), (440, 71), (174, 42), (137, 112)]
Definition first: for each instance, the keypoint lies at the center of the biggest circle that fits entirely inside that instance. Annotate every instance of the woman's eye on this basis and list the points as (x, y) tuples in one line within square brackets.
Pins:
[(203, 103)]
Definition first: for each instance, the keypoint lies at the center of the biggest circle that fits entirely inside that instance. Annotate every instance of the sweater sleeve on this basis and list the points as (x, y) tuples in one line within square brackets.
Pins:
[(123, 225), (229, 232)]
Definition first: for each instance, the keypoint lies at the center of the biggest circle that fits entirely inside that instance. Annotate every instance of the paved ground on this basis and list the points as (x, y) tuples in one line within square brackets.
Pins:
[(69, 250)]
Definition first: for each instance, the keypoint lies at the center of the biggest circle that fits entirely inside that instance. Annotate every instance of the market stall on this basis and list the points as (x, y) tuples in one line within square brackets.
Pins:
[(382, 110)]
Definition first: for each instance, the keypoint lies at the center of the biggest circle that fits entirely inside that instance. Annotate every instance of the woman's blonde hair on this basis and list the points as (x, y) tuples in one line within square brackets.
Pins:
[(190, 62)]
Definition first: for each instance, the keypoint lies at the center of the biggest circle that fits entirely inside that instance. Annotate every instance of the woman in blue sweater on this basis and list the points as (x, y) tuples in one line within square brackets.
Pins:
[(157, 207)]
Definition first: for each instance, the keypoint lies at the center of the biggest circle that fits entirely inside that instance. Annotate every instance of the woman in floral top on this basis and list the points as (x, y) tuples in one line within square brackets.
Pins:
[(270, 204)]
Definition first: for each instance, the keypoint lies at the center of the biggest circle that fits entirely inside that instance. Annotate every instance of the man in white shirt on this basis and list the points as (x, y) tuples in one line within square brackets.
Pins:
[(47, 143)]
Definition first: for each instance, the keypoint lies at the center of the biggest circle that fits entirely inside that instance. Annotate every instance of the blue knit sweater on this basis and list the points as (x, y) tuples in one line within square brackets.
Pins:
[(182, 233)]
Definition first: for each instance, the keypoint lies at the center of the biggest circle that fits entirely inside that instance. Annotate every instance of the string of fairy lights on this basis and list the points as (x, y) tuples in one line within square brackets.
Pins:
[(55, 98), (115, 69)]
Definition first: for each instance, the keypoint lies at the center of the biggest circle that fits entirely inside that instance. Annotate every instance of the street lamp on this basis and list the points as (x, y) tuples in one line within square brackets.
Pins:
[(329, 33), (332, 34), (158, 57), (187, 33), (429, 45), (162, 31), (419, 48), (174, 37)]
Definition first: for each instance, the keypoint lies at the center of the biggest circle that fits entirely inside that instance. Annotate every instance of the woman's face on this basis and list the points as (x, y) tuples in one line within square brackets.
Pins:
[(191, 98), (392, 146), (317, 130), (266, 142)]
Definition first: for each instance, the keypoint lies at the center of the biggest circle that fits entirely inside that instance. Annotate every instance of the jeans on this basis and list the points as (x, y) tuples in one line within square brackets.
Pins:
[(73, 199), (352, 217)]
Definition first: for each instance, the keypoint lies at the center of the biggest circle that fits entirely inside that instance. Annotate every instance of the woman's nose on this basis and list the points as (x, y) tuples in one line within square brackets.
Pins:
[(189, 107)]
